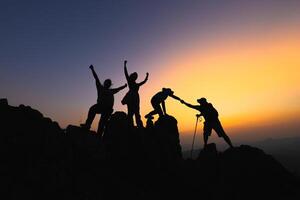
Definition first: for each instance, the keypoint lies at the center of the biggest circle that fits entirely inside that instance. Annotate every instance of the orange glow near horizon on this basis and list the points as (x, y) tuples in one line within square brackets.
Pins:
[(243, 56), (250, 81), (244, 79)]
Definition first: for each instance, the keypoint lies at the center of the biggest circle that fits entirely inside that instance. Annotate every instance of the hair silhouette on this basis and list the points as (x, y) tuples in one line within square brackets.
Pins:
[(104, 105), (158, 102), (132, 98), (212, 121)]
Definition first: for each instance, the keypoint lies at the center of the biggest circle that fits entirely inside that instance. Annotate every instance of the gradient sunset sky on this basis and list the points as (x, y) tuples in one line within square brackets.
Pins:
[(243, 56)]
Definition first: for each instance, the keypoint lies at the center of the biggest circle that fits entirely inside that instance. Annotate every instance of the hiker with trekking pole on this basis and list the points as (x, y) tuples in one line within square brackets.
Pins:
[(210, 115), (198, 118)]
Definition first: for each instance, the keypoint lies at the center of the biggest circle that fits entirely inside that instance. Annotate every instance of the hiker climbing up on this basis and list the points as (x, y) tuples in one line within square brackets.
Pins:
[(212, 121), (104, 105), (132, 98), (158, 102)]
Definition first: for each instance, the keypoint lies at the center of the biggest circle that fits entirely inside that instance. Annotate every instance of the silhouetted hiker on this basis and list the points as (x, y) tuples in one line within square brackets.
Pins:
[(132, 98), (212, 121), (104, 105), (159, 98)]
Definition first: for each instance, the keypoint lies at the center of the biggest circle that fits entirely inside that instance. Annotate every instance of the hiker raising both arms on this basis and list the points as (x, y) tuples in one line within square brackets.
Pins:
[(132, 98), (104, 105)]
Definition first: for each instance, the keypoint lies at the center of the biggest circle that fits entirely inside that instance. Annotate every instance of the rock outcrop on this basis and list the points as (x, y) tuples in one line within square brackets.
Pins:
[(42, 161)]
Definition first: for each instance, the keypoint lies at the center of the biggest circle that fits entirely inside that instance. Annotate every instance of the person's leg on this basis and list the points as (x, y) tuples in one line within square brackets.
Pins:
[(138, 120), (103, 122), (130, 115), (227, 139), (206, 132), (221, 133), (150, 114), (157, 110), (91, 115)]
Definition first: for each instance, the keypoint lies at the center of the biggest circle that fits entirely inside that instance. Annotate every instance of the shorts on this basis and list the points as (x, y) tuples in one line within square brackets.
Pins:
[(216, 125)]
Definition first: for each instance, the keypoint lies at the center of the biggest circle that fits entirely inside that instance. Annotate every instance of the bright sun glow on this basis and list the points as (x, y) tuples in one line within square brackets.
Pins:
[(245, 80)]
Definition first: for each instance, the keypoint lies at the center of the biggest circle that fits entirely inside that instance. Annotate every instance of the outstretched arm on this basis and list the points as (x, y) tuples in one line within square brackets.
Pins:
[(175, 97), (125, 71), (98, 83), (115, 90), (196, 107), (144, 81), (164, 107)]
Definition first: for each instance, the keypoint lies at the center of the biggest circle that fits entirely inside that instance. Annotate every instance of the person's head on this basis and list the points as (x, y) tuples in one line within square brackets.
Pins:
[(107, 83), (167, 91), (202, 101), (133, 76)]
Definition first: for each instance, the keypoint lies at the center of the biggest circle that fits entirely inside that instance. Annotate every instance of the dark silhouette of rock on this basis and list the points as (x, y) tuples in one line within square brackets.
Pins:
[(246, 169), (117, 135), (149, 123), (42, 161), (253, 167), (3, 102), (34, 155), (167, 137), (209, 150)]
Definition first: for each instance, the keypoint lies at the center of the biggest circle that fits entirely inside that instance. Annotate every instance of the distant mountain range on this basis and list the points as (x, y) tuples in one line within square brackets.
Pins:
[(286, 150)]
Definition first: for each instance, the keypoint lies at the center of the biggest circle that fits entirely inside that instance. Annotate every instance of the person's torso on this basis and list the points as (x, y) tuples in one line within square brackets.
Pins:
[(105, 97), (209, 112), (159, 97), (133, 87)]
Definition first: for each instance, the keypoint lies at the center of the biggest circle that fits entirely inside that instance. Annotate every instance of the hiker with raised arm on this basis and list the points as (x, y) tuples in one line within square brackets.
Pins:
[(212, 121), (132, 98), (104, 105), (158, 102)]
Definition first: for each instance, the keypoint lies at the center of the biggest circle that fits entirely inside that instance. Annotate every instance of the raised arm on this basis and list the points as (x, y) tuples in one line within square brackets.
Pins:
[(115, 90), (144, 81), (196, 107), (125, 71), (98, 83)]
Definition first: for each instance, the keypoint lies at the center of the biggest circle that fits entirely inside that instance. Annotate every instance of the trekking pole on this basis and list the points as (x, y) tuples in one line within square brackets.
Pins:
[(197, 117)]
